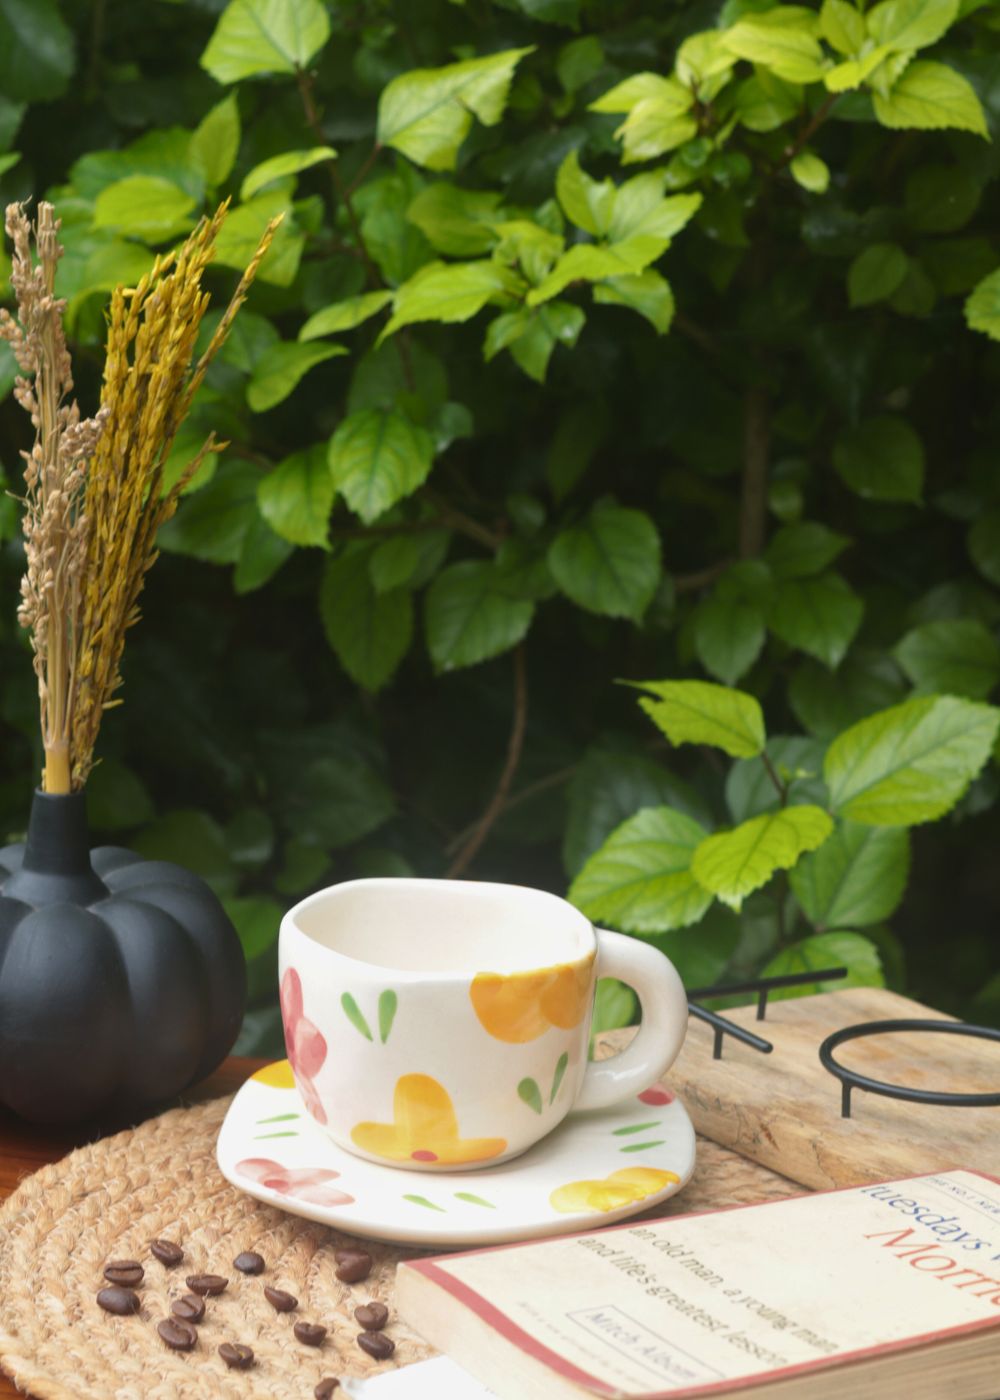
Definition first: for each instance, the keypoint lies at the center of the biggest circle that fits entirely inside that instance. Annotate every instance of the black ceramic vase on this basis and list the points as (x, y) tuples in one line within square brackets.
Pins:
[(122, 980)]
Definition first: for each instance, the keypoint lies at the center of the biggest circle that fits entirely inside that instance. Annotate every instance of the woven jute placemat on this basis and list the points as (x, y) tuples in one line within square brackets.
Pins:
[(109, 1200)]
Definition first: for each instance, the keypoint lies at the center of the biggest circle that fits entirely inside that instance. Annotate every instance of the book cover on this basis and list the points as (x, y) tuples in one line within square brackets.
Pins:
[(896, 1281)]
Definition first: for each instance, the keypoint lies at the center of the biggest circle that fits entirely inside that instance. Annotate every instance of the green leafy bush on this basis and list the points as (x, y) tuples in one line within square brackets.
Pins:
[(598, 342)]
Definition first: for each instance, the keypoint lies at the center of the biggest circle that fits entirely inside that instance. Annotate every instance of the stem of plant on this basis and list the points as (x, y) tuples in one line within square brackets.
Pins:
[(809, 130), (780, 906), (515, 745), (57, 777), (341, 195), (773, 774), (454, 519), (756, 453), (690, 583)]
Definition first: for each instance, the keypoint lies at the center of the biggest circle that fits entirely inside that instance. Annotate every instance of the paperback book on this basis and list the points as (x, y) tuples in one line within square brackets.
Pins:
[(891, 1288)]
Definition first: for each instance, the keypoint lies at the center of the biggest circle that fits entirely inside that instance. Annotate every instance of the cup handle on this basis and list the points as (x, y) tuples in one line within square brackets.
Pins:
[(654, 979)]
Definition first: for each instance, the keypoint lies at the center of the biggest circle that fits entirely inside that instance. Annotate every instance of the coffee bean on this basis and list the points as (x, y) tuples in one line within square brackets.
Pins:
[(249, 1263), (126, 1272), (167, 1252), (309, 1333), (236, 1356), (190, 1308), (119, 1300), (350, 1251), (280, 1300), (372, 1316), (377, 1345), (353, 1265), (326, 1388), (206, 1283), (178, 1335)]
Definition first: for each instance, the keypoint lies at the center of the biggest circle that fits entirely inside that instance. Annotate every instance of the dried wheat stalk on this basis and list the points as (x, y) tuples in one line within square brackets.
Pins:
[(95, 497)]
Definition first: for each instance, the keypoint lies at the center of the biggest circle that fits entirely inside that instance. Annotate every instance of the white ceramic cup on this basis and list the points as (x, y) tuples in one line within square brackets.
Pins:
[(445, 1024)]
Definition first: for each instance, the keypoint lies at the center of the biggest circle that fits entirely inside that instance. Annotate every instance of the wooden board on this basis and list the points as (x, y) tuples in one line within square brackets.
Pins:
[(783, 1109)]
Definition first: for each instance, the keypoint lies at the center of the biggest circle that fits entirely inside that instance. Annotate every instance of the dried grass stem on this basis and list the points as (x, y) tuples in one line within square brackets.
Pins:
[(95, 495)]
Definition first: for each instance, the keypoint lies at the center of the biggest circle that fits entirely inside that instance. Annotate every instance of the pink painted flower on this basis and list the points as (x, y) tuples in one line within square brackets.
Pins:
[(306, 1046), (303, 1183), (656, 1096)]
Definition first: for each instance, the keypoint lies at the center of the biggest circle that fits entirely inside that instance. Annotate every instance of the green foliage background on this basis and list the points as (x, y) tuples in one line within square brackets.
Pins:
[(600, 341)]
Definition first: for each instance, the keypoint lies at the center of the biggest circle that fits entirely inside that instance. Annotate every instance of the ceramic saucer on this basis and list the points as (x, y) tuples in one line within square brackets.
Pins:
[(594, 1169)]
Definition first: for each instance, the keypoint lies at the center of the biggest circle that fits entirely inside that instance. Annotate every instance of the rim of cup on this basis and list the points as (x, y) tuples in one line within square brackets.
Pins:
[(569, 934)]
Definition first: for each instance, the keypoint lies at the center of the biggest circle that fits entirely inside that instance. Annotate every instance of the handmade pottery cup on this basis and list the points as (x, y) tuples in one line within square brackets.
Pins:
[(444, 1024)]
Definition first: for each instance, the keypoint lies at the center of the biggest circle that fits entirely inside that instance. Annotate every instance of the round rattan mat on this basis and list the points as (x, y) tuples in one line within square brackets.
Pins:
[(109, 1200)]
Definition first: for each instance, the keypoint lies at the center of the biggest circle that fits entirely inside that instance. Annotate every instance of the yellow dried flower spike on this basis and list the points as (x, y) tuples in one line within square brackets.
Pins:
[(95, 489)]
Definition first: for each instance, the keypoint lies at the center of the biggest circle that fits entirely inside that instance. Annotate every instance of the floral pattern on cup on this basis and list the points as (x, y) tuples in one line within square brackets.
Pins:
[(424, 1128), (656, 1096), (304, 1042), (621, 1188), (302, 1183), (520, 1006), (276, 1076)]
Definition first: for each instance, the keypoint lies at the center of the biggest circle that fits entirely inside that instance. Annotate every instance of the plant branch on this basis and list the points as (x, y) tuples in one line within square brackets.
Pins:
[(780, 905), (403, 527), (690, 583), (454, 519), (92, 82), (366, 166), (756, 452), (775, 776), (701, 337), (808, 131), (341, 195), (515, 746), (554, 779), (247, 454), (525, 794)]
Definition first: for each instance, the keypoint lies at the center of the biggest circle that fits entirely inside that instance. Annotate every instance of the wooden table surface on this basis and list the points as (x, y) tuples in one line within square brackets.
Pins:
[(25, 1147)]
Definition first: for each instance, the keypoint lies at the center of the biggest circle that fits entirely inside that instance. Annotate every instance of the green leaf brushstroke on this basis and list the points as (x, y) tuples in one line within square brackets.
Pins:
[(527, 1092), (387, 1003), (557, 1078), (353, 1013)]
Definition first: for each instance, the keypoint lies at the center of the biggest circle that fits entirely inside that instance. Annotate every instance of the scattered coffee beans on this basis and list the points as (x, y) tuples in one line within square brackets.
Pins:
[(377, 1345), (326, 1388), (126, 1272), (178, 1335), (190, 1308), (236, 1356), (206, 1283), (310, 1334), (372, 1316), (119, 1300), (352, 1265), (249, 1263), (280, 1300), (168, 1253)]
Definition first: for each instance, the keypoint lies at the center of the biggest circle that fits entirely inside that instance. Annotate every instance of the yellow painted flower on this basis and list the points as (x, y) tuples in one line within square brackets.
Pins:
[(278, 1076), (521, 1006), (425, 1128), (621, 1188)]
